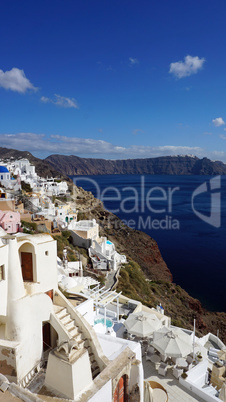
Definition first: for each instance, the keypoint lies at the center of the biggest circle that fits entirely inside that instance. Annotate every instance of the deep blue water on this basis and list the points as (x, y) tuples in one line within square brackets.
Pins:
[(193, 249)]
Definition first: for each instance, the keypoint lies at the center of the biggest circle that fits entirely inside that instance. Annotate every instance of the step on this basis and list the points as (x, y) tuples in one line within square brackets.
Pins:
[(73, 332), (78, 338), (69, 325), (65, 319), (62, 312)]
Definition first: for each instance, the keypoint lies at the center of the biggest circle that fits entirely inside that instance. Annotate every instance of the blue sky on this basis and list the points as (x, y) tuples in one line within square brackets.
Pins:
[(113, 79)]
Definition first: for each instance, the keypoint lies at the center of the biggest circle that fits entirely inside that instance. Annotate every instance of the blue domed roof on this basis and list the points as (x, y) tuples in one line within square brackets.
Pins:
[(3, 169)]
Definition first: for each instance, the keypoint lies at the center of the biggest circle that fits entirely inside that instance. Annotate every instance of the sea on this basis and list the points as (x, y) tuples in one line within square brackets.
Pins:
[(186, 215)]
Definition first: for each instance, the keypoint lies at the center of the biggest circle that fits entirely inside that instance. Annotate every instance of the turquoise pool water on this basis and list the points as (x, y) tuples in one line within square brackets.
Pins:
[(109, 323)]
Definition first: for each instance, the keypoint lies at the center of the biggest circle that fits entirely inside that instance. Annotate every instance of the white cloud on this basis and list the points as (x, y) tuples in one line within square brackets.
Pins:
[(42, 146), (223, 137), (81, 146), (61, 101), (190, 65), (218, 122), (133, 61), (15, 80), (137, 131)]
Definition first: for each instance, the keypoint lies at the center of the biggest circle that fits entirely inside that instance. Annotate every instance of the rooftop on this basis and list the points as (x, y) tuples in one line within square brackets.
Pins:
[(3, 169)]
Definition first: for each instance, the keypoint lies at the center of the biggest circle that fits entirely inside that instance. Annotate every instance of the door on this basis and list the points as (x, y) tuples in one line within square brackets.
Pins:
[(119, 392), (46, 336), (27, 266)]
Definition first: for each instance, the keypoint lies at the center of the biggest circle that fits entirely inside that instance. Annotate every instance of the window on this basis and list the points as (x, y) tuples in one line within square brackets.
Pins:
[(2, 177), (2, 272), (46, 253)]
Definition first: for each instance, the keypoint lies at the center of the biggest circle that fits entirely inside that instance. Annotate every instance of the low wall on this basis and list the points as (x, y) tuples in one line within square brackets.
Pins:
[(8, 353), (196, 380), (213, 338), (80, 241)]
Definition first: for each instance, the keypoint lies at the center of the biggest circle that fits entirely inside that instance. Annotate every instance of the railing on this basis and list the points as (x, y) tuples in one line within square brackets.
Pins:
[(85, 328)]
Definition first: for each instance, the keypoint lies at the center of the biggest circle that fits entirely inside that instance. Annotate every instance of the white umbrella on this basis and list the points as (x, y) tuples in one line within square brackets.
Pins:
[(222, 394), (172, 342), (142, 324), (148, 393)]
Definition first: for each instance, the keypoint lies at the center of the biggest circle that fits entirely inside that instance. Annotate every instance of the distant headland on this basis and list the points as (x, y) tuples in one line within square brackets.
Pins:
[(163, 165)]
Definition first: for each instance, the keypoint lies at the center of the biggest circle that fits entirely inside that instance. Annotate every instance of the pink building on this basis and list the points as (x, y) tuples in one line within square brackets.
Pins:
[(10, 221)]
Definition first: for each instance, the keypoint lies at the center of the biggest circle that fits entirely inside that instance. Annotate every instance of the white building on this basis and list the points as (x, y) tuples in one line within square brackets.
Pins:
[(6, 181), (85, 233), (104, 256), (86, 229), (37, 322)]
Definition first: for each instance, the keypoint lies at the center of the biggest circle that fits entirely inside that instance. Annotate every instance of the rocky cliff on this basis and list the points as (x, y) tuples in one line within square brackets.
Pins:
[(165, 165)]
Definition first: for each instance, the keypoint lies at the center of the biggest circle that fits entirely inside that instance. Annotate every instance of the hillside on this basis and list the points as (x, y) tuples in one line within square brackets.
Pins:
[(43, 168), (165, 165)]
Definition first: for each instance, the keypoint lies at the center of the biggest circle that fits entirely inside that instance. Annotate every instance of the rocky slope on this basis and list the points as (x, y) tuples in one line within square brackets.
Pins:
[(177, 165)]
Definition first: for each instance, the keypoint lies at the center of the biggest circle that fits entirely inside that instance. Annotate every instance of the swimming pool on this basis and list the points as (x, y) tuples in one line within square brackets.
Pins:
[(109, 322)]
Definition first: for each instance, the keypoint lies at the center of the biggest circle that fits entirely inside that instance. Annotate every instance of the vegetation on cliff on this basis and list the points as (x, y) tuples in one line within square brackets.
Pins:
[(177, 303)]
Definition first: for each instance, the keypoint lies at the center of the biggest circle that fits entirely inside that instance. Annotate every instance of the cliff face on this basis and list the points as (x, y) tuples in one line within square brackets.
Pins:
[(177, 165), (73, 165)]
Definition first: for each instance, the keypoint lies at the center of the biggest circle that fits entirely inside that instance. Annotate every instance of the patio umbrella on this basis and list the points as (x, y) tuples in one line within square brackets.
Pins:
[(222, 394), (142, 324), (148, 393), (172, 342)]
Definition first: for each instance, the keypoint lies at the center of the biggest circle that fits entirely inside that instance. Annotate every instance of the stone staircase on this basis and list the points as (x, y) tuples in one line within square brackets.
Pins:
[(73, 332)]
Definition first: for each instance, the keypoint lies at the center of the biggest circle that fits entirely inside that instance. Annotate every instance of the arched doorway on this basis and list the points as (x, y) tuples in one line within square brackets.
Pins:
[(121, 390), (27, 258)]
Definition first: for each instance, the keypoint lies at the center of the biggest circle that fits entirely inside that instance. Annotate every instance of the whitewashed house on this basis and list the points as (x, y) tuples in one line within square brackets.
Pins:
[(25, 171), (38, 324), (7, 181), (104, 255)]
